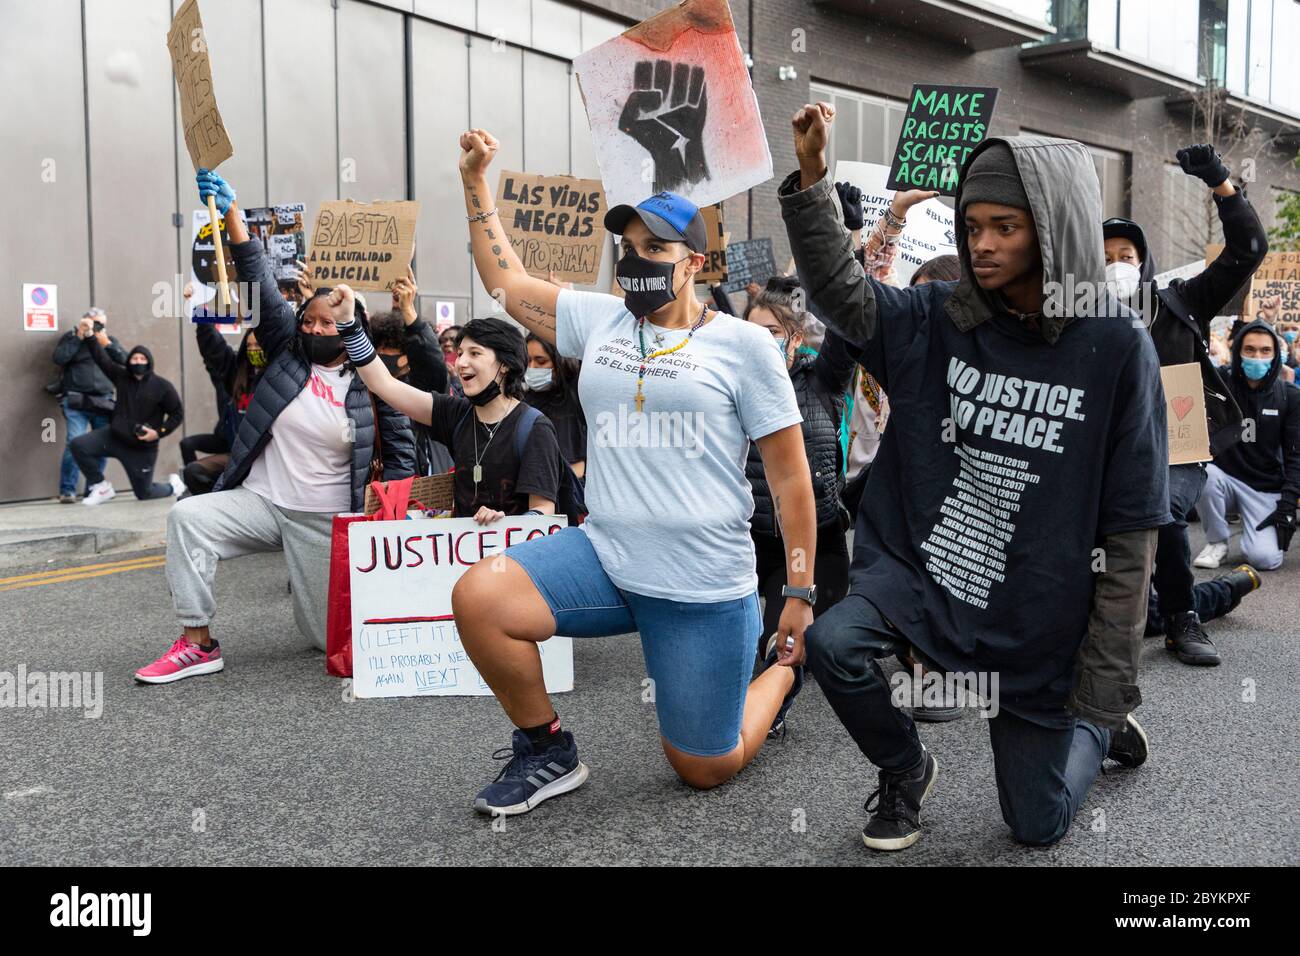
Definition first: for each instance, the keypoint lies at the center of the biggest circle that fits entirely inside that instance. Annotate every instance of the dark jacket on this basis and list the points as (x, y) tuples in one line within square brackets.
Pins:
[(221, 362), (150, 401), (81, 373), (908, 341), (1180, 326), (285, 376), (818, 382), (428, 372), (1270, 461)]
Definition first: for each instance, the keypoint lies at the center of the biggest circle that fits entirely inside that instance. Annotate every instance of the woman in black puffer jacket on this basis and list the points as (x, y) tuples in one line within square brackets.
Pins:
[(820, 382)]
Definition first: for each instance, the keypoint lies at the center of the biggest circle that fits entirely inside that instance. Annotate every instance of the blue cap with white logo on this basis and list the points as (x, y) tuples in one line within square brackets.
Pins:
[(667, 215)]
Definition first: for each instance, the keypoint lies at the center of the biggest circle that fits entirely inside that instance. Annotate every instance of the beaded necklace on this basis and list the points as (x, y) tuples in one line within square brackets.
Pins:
[(647, 359)]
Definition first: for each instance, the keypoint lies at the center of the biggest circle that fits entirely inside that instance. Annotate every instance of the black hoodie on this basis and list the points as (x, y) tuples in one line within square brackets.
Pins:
[(150, 401), (1180, 325), (1271, 461)]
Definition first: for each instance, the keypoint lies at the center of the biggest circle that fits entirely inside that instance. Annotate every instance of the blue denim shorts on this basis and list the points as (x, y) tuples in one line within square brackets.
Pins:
[(700, 656)]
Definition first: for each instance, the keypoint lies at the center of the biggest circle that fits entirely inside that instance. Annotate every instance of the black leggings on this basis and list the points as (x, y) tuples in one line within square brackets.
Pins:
[(87, 449), (194, 445), (830, 574)]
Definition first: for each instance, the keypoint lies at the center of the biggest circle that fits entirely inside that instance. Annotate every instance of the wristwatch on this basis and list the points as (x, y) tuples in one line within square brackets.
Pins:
[(803, 594)]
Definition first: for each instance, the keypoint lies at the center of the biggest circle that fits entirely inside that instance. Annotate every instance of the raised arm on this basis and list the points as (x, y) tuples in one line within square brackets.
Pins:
[(428, 366), (529, 300), (412, 402), (116, 371)]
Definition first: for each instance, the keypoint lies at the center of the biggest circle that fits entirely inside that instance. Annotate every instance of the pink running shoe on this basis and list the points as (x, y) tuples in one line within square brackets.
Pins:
[(183, 659)]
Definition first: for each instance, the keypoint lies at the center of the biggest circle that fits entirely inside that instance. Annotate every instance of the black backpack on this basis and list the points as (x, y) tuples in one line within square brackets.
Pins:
[(570, 499)]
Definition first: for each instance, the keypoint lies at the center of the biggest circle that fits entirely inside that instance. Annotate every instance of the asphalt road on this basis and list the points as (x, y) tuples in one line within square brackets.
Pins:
[(267, 763)]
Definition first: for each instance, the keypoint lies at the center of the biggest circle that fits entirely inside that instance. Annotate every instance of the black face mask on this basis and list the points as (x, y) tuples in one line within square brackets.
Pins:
[(490, 391), (391, 363), (139, 371), (321, 349), (647, 285)]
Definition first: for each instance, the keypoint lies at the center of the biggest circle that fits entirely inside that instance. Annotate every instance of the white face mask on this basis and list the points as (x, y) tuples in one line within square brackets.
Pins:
[(1122, 279), (537, 378)]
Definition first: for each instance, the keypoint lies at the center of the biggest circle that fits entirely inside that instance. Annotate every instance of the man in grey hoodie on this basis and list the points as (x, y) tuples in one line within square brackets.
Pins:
[(1008, 528)]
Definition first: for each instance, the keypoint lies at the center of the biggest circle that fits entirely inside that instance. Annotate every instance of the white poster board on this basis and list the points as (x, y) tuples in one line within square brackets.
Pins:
[(40, 307), (404, 640), (929, 231), (1182, 272)]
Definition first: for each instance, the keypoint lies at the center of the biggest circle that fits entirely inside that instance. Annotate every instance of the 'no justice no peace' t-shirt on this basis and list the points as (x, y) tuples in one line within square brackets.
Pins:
[(1005, 464)]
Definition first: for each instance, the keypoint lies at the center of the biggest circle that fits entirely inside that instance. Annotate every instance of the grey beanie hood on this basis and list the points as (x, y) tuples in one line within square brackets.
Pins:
[(993, 177)]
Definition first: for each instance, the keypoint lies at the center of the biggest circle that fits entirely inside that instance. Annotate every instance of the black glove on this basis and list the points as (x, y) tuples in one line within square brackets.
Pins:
[(1283, 519), (1203, 162), (851, 203)]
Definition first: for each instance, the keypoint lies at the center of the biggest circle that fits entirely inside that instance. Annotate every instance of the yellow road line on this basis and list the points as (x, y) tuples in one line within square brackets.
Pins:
[(127, 563), (156, 563)]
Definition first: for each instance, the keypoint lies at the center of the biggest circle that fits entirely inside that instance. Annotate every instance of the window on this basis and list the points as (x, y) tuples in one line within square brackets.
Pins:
[(866, 127), (1212, 45), (1188, 220), (1112, 174)]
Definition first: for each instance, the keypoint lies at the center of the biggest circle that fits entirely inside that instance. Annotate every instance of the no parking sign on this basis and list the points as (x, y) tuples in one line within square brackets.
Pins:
[(40, 307)]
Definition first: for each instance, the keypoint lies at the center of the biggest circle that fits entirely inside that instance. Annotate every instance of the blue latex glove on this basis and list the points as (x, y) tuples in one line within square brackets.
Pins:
[(210, 184)]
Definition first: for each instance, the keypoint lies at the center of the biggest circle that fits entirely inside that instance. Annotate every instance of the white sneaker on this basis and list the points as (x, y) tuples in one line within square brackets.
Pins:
[(98, 494), (1212, 555), (177, 483)]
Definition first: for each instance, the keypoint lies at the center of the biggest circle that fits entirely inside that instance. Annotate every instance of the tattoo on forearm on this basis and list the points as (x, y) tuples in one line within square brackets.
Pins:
[(496, 250), (503, 264), (544, 317), (473, 198), (491, 234)]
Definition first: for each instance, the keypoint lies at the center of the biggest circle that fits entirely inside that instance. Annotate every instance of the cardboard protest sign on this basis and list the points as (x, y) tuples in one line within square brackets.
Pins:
[(671, 107), (205, 133), (1189, 434), (1277, 275), (929, 231), (715, 264), (282, 230), (748, 261), (204, 277), (40, 307), (943, 124), (366, 245), (404, 638), (554, 223)]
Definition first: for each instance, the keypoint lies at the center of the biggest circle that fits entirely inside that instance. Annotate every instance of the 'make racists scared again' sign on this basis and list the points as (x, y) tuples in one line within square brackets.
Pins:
[(942, 126)]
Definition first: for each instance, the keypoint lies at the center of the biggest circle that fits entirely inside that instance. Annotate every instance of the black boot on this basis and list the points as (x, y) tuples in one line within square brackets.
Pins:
[(1185, 637), (1242, 579)]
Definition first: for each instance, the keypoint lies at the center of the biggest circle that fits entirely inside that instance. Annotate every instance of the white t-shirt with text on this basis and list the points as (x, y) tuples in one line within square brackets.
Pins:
[(666, 489)]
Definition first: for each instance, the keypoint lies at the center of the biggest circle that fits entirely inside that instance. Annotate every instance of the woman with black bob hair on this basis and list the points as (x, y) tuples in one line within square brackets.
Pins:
[(820, 382), (552, 382), (302, 453), (506, 454)]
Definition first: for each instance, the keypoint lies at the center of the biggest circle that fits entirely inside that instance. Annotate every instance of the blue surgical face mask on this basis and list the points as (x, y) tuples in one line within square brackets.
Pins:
[(1290, 335), (1255, 369)]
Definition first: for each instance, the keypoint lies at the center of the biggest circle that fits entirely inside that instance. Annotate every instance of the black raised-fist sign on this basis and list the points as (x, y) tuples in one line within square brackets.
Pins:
[(665, 114)]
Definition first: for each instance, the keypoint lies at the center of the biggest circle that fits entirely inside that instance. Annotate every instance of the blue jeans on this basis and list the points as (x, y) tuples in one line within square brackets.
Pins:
[(79, 423), (1042, 773), (700, 657)]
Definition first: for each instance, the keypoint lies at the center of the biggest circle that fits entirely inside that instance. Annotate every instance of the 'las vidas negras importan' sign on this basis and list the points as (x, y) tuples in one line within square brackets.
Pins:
[(942, 126)]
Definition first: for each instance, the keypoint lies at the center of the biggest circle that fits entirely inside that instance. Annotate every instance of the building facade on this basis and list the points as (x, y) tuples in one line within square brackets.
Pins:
[(364, 99)]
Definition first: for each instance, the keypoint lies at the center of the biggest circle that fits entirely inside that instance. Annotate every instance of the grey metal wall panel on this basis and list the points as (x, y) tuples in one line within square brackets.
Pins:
[(582, 152), (556, 28), (301, 111), (372, 102), (43, 236), (133, 124), (496, 104), (440, 103), (509, 20), (546, 115), (459, 13)]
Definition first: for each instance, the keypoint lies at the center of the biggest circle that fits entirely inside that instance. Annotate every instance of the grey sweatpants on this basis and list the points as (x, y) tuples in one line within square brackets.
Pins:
[(205, 529), (1222, 491)]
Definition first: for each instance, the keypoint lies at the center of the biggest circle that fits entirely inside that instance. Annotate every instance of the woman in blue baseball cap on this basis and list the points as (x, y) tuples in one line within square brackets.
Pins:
[(673, 394)]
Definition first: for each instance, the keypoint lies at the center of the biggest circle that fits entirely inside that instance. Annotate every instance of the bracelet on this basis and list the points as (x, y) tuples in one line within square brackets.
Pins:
[(481, 216), (892, 220)]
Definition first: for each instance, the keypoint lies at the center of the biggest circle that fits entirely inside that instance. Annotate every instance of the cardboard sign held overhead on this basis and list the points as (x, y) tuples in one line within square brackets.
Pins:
[(554, 223), (942, 126), (366, 245), (205, 133), (1189, 435), (671, 107), (1278, 274)]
